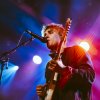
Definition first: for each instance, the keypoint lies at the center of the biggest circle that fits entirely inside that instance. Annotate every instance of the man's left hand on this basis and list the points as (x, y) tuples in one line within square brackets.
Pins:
[(56, 65)]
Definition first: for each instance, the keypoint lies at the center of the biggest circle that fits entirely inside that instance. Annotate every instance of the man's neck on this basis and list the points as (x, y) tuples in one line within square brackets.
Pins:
[(55, 51)]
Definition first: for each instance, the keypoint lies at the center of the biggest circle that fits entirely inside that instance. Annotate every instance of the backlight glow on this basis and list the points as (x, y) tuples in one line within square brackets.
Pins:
[(84, 45)]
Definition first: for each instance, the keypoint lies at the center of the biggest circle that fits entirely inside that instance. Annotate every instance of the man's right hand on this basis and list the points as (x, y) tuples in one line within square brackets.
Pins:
[(40, 90)]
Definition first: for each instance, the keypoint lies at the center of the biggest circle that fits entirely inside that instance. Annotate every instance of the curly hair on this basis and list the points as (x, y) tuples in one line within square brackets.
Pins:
[(59, 27)]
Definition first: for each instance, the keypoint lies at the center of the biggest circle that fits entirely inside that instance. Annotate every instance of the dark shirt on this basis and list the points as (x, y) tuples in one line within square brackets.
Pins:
[(78, 86)]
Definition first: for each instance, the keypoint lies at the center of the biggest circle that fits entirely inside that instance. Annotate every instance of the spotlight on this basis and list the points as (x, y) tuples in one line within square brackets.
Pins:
[(85, 45), (37, 59), (15, 68)]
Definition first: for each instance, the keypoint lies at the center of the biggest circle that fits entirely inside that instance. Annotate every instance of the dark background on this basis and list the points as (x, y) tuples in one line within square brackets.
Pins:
[(16, 16)]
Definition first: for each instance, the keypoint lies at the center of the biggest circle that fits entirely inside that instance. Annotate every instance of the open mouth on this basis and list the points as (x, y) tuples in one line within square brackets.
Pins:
[(47, 39)]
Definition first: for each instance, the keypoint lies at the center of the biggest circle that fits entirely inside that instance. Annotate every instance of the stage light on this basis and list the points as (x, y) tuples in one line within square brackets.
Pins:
[(37, 59), (15, 68), (84, 45)]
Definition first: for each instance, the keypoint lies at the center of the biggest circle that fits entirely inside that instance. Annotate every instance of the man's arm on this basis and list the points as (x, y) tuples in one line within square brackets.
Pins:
[(83, 74)]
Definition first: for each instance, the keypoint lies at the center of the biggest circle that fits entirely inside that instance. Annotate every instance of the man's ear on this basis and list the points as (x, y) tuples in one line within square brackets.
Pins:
[(60, 34)]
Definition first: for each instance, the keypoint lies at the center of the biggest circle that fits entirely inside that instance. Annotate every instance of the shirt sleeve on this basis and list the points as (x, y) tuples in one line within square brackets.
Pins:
[(84, 73)]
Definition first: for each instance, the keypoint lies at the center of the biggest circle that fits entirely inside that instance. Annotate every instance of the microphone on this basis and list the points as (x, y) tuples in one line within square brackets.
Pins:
[(36, 36)]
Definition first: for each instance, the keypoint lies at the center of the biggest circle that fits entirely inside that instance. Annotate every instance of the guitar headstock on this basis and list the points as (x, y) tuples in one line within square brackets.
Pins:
[(68, 24)]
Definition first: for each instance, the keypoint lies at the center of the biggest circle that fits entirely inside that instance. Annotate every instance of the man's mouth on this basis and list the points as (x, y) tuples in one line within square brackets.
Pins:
[(47, 39)]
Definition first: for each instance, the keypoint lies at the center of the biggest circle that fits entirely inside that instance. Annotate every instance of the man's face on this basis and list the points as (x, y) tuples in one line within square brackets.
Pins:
[(53, 38)]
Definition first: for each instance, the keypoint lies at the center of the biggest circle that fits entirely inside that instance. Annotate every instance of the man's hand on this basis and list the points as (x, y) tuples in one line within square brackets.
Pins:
[(40, 90), (64, 71), (56, 65)]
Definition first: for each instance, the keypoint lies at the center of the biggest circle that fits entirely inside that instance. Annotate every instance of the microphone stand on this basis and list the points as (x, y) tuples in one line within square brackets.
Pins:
[(4, 57)]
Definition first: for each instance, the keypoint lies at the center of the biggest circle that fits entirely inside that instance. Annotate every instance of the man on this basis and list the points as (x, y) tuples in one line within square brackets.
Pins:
[(74, 68)]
